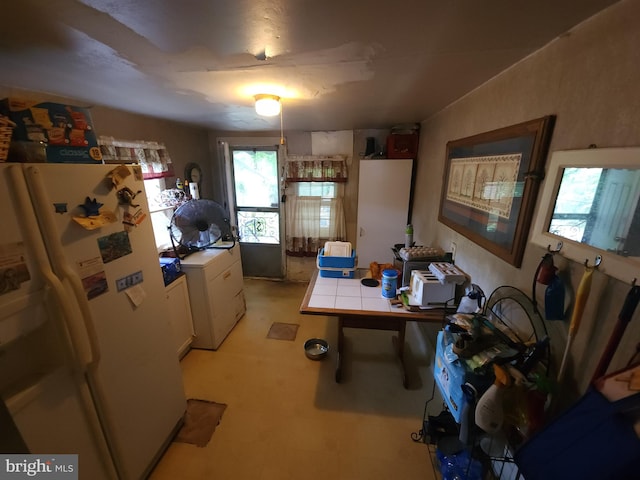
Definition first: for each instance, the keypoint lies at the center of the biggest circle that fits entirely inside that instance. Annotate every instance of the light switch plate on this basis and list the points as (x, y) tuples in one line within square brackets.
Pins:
[(453, 251)]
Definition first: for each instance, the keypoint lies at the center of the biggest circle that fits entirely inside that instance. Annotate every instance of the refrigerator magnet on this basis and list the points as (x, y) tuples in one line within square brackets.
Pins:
[(118, 174), (105, 217), (137, 173), (94, 217), (126, 196), (91, 207), (114, 246), (93, 277), (133, 220)]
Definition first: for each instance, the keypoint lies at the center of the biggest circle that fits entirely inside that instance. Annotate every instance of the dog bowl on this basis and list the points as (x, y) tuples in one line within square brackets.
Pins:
[(316, 348)]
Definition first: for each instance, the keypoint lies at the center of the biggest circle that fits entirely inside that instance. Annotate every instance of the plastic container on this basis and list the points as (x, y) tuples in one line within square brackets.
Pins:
[(408, 236), (336, 267), (389, 283)]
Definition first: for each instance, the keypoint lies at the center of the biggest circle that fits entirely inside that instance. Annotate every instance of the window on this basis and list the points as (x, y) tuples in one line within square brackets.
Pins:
[(314, 206), (315, 214)]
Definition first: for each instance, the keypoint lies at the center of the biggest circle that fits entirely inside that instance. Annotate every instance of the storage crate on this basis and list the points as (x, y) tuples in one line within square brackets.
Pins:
[(336, 267)]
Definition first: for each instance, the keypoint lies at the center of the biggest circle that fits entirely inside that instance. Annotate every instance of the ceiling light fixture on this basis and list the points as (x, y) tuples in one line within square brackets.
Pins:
[(267, 105)]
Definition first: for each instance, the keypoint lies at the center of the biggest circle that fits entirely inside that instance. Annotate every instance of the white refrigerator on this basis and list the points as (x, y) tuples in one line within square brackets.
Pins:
[(87, 364)]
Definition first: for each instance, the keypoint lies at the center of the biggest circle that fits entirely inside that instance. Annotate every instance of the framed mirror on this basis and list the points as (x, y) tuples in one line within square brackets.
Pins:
[(589, 202)]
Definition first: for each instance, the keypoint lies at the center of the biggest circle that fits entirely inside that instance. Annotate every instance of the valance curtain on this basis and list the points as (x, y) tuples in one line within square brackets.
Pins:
[(152, 157), (311, 168), (306, 229)]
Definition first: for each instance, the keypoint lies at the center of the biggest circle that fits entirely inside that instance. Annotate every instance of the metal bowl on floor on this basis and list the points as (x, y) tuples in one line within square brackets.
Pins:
[(316, 348)]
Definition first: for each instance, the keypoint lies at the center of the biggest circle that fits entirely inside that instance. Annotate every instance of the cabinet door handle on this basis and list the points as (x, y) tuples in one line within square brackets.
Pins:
[(226, 274)]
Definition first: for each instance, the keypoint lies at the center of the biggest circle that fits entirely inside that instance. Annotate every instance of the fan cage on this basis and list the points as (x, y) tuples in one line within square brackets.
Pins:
[(199, 224), (511, 309)]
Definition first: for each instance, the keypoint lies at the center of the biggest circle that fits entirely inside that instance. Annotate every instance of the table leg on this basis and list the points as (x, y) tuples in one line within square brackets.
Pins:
[(399, 345), (340, 350)]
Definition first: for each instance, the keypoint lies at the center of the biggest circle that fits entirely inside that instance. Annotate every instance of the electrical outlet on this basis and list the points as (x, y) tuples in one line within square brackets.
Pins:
[(453, 251)]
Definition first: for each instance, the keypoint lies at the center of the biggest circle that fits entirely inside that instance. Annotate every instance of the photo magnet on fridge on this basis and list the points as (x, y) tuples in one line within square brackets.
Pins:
[(114, 246), (93, 276)]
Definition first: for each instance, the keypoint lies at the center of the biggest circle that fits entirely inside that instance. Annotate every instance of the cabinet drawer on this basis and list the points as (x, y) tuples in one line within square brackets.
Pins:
[(224, 288), (221, 263)]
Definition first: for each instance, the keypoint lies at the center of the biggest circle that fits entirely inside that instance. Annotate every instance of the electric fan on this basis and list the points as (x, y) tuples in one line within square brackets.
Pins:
[(514, 313), (199, 224)]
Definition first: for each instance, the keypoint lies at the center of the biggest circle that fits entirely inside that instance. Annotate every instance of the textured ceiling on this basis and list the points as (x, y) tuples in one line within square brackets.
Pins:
[(337, 64)]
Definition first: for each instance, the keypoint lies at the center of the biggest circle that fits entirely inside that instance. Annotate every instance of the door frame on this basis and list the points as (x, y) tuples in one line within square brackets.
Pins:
[(250, 143)]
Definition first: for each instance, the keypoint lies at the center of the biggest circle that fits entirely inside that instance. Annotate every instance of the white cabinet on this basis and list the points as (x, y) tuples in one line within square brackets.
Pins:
[(180, 317), (384, 189), (214, 277)]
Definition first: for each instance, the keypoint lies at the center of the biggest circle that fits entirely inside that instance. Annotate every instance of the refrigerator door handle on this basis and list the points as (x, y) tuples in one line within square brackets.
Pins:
[(80, 322)]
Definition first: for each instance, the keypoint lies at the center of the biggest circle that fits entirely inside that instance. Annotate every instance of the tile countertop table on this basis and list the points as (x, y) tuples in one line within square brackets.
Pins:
[(359, 306)]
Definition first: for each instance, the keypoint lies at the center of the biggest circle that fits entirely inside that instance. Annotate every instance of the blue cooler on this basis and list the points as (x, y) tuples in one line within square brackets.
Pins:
[(336, 267)]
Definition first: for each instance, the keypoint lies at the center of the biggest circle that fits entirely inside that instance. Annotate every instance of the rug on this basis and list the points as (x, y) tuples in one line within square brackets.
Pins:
[(200, 421), (283, 331)]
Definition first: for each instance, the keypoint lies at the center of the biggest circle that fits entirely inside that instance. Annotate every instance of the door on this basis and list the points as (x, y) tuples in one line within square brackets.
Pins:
[(384, 188), (256, 196)]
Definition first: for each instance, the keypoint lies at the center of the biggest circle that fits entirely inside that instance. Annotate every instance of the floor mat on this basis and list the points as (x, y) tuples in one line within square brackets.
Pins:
[(283, 331), (200, 421)]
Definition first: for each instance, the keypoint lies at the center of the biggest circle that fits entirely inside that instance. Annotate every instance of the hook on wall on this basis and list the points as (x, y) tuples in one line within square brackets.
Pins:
[(596, 263), (558, 248)]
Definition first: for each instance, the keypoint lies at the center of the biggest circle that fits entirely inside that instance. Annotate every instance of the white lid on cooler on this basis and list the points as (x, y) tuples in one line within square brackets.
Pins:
[(337, 249)]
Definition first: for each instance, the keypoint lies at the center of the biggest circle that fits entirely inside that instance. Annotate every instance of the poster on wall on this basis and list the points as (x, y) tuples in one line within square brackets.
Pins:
[(490, 185)]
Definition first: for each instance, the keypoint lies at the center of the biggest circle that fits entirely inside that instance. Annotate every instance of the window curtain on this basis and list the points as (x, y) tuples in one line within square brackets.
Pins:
[(152, 157), (306, 230), (311, 168)]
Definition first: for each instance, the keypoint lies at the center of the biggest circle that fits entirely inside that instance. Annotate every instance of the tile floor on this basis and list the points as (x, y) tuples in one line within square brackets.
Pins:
[(286, 418)]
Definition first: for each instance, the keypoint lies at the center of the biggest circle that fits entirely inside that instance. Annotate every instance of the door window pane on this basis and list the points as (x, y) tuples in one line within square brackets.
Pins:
[(256, 178), (259, 227)]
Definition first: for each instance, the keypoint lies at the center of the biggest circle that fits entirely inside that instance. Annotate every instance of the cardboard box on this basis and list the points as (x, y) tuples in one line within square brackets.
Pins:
[(336, 267), (66, 131)]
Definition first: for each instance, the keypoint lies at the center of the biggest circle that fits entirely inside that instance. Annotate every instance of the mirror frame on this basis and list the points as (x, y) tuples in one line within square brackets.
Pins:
[(622, 268)]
